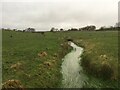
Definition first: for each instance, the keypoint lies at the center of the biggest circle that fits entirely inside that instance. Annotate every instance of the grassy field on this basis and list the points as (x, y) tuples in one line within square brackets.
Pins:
[(100, 57), (22, 50)]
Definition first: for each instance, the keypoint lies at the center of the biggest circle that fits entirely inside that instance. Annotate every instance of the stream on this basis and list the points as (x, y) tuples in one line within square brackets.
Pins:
[(72, 71), (74, 76)]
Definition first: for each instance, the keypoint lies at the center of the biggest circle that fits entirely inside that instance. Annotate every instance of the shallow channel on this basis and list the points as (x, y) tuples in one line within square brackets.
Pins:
[(72, 71)]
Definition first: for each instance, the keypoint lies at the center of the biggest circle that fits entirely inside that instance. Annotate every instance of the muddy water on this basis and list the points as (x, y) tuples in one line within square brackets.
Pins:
[(73, 76)]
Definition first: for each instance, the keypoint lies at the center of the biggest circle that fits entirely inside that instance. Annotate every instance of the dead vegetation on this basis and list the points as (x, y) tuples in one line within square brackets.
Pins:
[(13, 84), (16, 66), (42, 54), (49, 63)]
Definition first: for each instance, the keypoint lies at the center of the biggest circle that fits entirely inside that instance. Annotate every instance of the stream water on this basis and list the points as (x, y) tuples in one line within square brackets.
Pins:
[(73, 76)]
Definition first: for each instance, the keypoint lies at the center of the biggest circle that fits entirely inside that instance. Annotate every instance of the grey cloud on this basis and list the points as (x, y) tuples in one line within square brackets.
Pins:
[(44, 15)]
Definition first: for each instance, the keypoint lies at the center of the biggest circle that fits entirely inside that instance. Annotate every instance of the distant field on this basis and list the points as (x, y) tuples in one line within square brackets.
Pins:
[(100, 58)]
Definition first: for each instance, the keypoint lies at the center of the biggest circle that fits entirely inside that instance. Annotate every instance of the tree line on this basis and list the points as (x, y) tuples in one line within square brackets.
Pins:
[(88, 28)]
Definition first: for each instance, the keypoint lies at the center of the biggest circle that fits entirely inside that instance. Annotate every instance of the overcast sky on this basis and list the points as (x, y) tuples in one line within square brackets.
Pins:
[(44, 14)]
